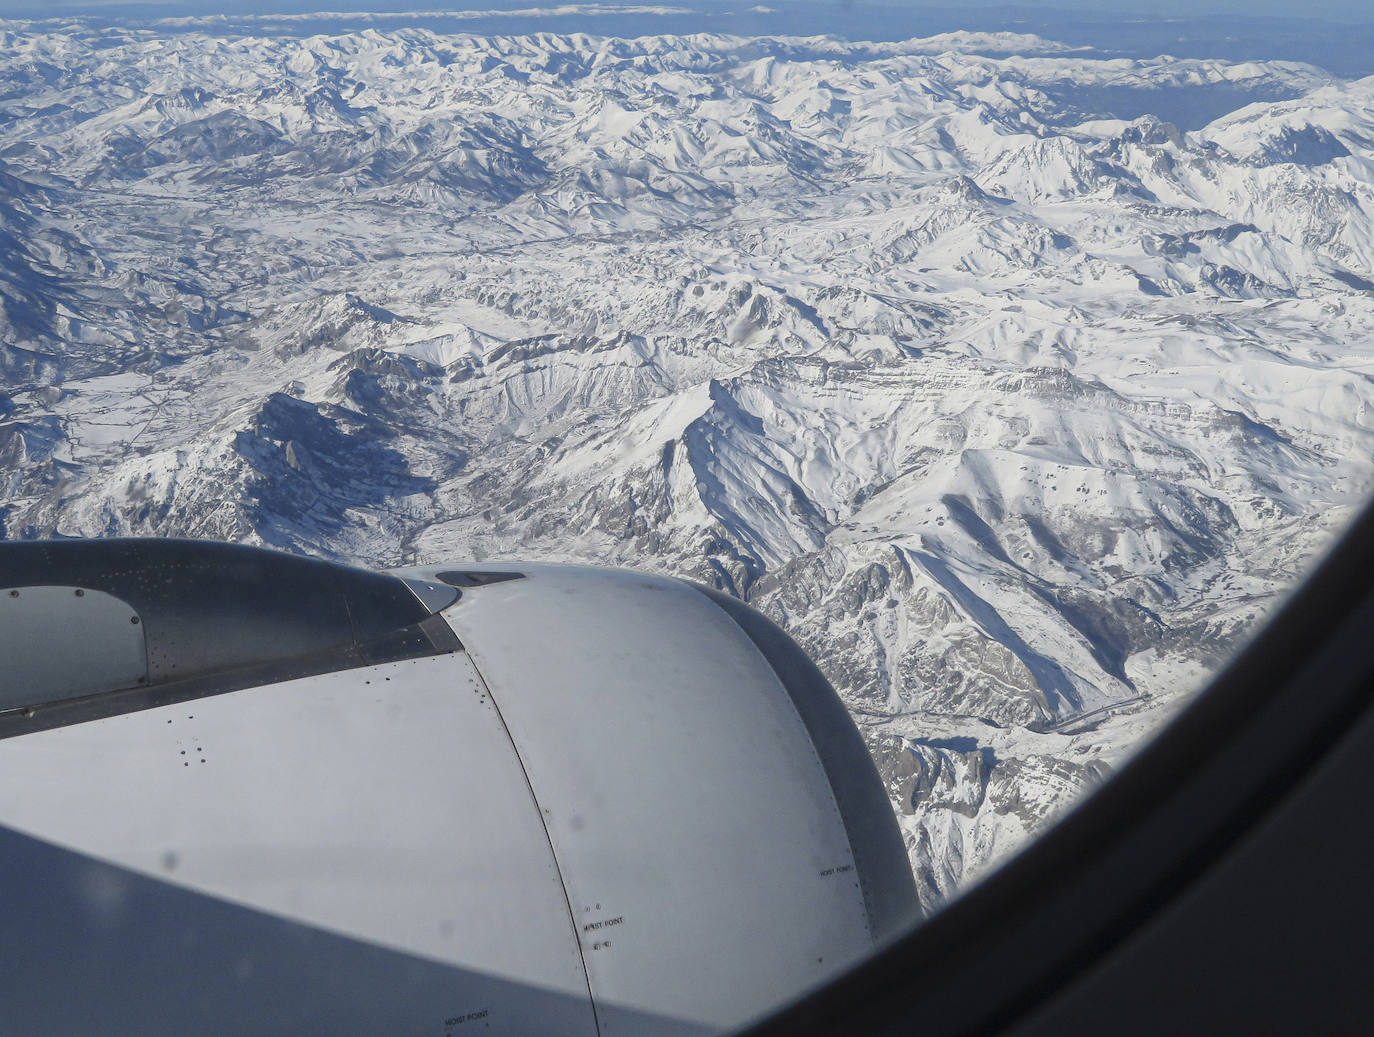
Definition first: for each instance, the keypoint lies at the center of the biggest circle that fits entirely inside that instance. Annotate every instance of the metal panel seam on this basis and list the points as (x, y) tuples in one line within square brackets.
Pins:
[(553, 851)]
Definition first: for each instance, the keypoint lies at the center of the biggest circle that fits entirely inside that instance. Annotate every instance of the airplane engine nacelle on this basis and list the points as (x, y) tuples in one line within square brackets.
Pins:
[(242, 791)]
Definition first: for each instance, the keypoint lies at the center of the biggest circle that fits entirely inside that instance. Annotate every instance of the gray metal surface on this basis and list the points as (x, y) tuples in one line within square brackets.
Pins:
[(90, 948), (880, 858), (702, 848), (385, 804), (432, 594), (213, 617), (60, 642), (210, 607)]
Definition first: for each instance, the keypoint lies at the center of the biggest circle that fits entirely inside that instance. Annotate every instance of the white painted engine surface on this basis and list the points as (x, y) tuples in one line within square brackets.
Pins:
[(383, 804), (704, 856), (603, 813)]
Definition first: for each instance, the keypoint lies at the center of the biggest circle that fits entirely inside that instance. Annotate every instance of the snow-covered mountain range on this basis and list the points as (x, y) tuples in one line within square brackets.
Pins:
[(1017, 407)]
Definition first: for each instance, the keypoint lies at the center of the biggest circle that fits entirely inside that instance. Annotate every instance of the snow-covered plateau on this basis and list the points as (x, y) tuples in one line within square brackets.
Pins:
[(1017, 407)]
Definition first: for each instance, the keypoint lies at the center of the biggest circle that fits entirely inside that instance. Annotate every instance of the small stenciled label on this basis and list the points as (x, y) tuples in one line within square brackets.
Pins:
[(463, 1018), (836, 871), (605, 923)]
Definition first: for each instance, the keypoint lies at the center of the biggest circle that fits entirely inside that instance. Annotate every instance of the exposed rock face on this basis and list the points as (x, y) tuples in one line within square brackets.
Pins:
[(1016, 414)]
